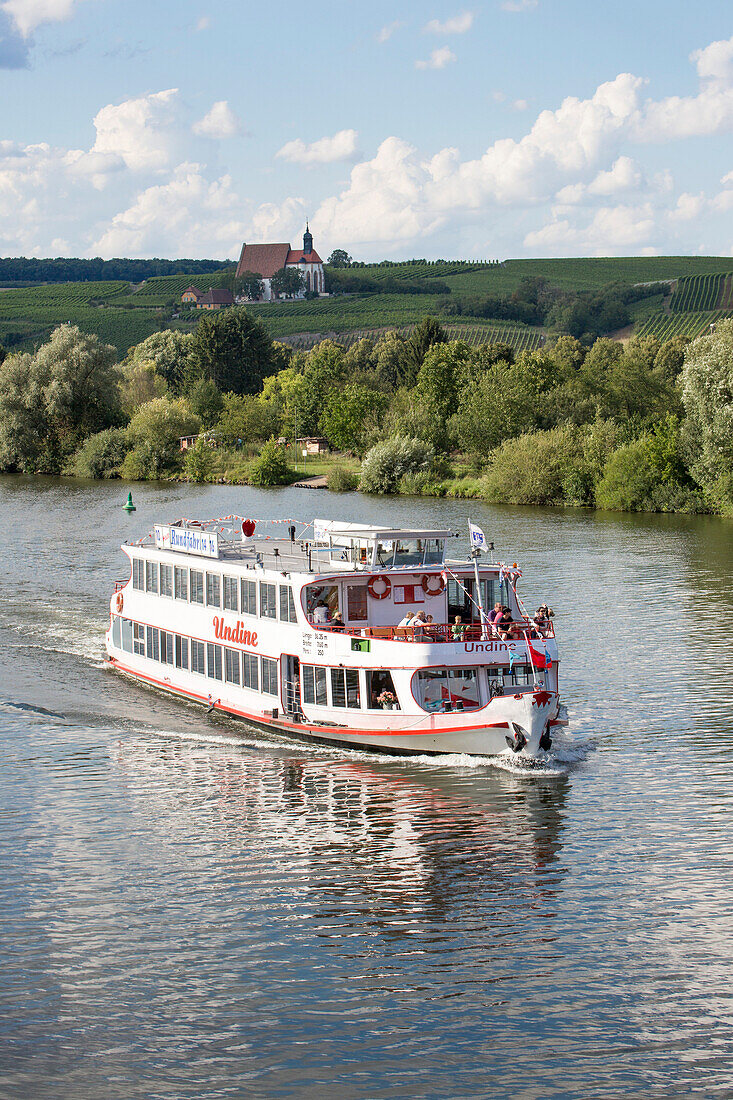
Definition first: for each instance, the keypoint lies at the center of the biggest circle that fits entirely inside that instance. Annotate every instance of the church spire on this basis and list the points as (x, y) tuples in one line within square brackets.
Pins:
[(307, 241)]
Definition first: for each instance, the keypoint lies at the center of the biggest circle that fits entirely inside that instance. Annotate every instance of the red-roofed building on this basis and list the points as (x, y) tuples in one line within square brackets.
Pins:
[(265, 259), (191, 295), (215, 298)]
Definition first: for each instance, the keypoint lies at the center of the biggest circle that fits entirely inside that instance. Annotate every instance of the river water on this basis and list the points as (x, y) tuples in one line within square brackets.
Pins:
[(192, 910)]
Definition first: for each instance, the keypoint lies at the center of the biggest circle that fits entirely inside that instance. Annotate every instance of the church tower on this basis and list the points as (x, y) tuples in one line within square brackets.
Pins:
[(307, 241)]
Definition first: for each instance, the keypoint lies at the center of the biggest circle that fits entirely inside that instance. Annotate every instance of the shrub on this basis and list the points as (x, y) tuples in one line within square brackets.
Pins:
[(422, 484), (200, 461), (341, 480), (389, 461), (532, 468), (154, 432), (100, 456), (271, 467)]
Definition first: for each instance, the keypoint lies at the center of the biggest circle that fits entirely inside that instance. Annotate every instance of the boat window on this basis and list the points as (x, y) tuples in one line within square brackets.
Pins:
[(249, 597), (269, 675), (166, 647), (250, 671), (519, 675), (166, 580), (268, 600), (385, 553), (197, 586), (287, 604), (181, 581), (127, 635), (116, 633), (409, 552), (151, 576), (213, 661), (317, 594), (313, 685), (379, 683), (231, 594), (138, 574), (433, 551), (213, 590), (231, 665), (138, 639), (153, 643), (448, 689), (181, 652), (198, 657), (356, 603), (345, 688)]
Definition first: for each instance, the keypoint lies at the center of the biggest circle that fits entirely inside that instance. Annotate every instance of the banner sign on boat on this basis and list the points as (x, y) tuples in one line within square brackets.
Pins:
[(187, 540)]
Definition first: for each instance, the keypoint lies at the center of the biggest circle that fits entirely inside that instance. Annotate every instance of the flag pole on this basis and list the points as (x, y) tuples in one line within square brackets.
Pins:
[(475, 554)]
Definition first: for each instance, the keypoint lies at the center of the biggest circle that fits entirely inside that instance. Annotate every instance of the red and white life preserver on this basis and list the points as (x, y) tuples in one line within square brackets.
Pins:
[(432, 584), (119, 601), (379, 587)]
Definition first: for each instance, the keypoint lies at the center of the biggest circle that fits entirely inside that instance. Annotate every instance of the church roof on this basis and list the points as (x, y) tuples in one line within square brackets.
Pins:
[(294, 257), (263, 259)]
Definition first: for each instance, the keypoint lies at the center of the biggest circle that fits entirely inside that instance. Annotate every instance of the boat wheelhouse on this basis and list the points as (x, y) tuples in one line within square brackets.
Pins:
[(353, 634)]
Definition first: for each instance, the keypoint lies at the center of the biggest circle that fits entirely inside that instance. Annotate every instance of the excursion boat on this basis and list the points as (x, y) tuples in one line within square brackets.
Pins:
[(301, 635)]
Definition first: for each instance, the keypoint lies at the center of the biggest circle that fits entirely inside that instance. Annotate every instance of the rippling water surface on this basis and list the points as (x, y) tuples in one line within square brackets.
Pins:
[(192, 910)]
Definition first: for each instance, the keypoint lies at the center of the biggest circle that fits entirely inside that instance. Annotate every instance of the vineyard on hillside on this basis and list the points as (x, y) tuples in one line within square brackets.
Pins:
[(521, 339), (164, 289), (699, 293), (663, 326)]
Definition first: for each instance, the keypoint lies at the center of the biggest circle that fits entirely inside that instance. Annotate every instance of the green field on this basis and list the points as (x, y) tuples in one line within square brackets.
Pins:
[(520, 337), (124, 315)]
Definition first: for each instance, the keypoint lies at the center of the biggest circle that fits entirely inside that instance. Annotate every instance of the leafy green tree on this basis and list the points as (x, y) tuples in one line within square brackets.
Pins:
[(428, 332), (568, 354), (249, 285), (271, 466), (233, 350), (139, 383), (169, 354), (707, 393), (51, 401), (246, 419), (346, 413), (389, 461), (205, 401), (533, 468), (442, 375), (670, 359), (488, 354), (339, 258), (288, 281), (154, 435), (391, 359)]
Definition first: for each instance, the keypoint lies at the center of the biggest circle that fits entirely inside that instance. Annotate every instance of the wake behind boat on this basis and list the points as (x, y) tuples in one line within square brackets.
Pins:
[(342, 633)]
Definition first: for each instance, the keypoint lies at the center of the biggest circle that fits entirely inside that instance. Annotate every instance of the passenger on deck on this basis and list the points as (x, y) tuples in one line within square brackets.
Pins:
[(541, 622), (337, 622), (432, 633), (321, 614), (494, 615), (407, 619), (418, 625), (457, 629), (546, 611), (503, 623)]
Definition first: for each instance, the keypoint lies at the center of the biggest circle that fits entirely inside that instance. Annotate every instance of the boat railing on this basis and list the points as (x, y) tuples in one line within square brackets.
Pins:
[(119, 585), (442, 632)]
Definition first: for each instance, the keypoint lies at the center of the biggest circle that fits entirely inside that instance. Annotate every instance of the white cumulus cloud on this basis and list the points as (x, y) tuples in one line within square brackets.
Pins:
[(219, 122), (458, 24), (438, 59), (389, 29), (144, 131), (29, 14), (327, 150)]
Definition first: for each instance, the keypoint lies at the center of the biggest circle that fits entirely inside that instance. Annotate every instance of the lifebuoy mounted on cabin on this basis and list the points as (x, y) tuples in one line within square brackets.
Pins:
[(432, 584), (379, 587), (119, 601)]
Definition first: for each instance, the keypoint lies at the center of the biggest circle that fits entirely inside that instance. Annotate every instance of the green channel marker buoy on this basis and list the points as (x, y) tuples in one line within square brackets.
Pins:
[(128, 505)]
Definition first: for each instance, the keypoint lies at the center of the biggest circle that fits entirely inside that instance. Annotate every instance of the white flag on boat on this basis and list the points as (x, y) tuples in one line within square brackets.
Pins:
[(478, 538)]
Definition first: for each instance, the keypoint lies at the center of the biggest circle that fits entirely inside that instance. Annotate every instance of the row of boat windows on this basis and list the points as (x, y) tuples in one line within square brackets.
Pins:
[(217, 662), (237, 594), (441, 689), (342, 687)]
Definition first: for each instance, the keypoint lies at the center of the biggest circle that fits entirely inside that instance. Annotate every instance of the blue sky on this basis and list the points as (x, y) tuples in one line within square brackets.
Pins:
[(483, 130)]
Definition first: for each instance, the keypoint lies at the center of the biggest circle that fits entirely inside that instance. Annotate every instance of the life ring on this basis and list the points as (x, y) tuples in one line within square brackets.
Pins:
[(119, 601), (381, 592), (432, 584)]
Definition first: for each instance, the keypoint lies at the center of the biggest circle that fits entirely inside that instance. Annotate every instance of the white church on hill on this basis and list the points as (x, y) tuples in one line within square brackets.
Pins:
[(266, 259)]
